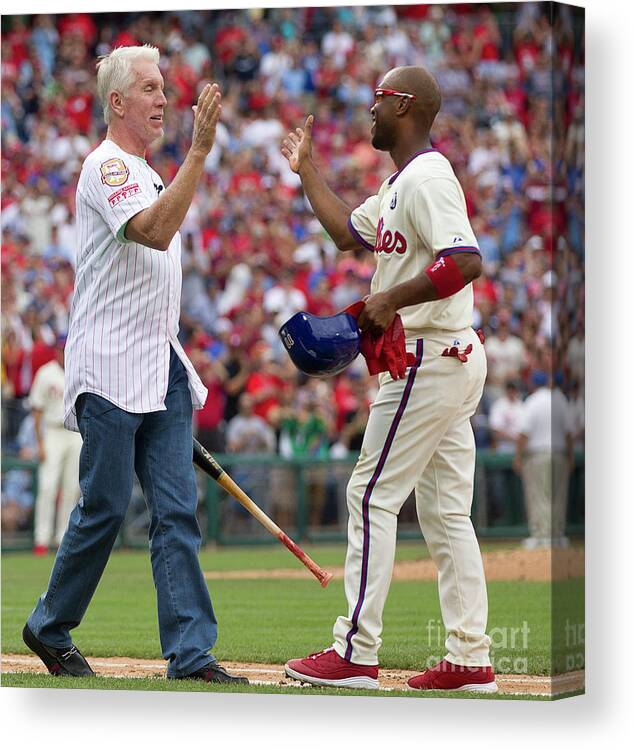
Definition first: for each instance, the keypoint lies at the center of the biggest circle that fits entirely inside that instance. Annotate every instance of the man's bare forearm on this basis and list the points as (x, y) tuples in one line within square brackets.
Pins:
[(332, 212), (156, 226)]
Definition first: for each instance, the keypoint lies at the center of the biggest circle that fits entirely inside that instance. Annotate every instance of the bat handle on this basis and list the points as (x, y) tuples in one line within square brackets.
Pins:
[(204, 460)]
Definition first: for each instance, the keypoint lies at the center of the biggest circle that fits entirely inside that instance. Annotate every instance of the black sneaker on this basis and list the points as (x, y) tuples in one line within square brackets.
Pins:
[(213, 672), (61, 662)]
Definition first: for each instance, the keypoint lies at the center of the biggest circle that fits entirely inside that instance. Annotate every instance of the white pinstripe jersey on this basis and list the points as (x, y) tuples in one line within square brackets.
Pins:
[(126, 303), (419, 214)]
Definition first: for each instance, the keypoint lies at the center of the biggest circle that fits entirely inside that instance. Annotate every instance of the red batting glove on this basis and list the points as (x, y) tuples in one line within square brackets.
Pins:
[(372, 350), (371, 347), (396, 357), (387, 352)]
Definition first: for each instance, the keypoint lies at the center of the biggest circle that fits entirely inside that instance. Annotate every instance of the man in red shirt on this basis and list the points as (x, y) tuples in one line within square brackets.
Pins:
[(265, 384)]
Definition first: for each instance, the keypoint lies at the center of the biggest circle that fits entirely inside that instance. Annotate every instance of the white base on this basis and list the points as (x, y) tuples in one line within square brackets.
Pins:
[(348, 682)]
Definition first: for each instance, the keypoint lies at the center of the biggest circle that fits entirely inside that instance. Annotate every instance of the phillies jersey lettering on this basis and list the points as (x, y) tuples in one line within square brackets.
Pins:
[(388, 241), (418, 215)]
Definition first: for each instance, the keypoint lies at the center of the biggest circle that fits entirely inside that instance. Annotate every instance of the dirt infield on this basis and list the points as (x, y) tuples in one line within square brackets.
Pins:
[(273, 674), (505, 565)]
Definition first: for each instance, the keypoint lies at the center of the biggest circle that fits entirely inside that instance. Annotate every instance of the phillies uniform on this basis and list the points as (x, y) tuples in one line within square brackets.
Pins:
[(61, 462), (117, 336), (418, 435)]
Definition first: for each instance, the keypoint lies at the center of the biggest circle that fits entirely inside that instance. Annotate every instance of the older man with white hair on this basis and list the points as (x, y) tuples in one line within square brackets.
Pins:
[(130, 387)]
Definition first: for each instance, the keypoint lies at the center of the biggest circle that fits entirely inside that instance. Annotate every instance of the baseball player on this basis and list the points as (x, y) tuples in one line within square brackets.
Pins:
[(418, 435), (58, 452), (129, 387)]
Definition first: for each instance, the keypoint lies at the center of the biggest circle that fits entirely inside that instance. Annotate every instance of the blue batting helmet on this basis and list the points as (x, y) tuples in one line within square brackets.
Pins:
[(321, 346)]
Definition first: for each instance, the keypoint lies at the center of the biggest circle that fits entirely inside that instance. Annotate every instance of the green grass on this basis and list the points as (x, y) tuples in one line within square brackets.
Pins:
[(274, 620), (190, 686), (272, 557)]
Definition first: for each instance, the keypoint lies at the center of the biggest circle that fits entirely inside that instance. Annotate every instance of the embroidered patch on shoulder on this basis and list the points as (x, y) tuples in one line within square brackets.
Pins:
[(114, 172), (121, 195)]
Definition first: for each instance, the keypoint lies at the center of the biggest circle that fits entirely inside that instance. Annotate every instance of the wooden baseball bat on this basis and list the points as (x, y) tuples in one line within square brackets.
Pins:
[(205, 461)]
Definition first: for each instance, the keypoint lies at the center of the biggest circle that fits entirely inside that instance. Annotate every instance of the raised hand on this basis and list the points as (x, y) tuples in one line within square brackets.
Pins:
[(206, 115), (298, 145)]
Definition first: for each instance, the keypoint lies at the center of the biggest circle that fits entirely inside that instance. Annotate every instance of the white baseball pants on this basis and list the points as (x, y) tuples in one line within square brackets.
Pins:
[(419, 437), (60, 466)]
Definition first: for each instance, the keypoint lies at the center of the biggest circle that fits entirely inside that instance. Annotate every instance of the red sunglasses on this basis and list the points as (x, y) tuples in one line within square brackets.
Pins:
[(378, 93)]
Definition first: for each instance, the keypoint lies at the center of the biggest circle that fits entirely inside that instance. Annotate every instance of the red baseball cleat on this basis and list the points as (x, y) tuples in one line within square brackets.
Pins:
[(40, 549), (448, 676), (328, 668)]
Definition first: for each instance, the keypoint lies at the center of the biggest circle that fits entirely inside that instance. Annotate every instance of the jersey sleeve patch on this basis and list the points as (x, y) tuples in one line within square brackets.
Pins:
[(123, 194), (114, 172)]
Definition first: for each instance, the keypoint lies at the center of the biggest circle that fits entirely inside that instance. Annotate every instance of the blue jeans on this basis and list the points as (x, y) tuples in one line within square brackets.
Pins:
[(158, 446)]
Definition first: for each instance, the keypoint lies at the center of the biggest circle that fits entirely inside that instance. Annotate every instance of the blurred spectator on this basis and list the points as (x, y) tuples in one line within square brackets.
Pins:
[(265, 384), (284, 299), (36, 210), (434, 33), (305, 432), (247, 432), (506, 356), (18, 484), (353, 394), (237, 368), (56, 251), (548, 325), (544, 459), (209, 421), (197, 302), (505, 419), (273, 65), (511, 136), (58, 452), (337, 44), (484, 160)]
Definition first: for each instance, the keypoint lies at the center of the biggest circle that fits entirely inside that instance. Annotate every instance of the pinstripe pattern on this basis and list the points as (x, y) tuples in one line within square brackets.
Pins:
[(126, 305)]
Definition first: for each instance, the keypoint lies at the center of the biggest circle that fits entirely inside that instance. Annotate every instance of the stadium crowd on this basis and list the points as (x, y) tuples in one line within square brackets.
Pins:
[(253, 254)]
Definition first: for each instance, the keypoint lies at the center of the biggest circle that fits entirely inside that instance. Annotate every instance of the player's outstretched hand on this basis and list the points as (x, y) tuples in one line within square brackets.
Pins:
[(297, 147), (206, 115)]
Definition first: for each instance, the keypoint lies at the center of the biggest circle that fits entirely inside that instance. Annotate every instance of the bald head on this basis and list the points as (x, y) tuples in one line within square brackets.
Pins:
[(415, 80)]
